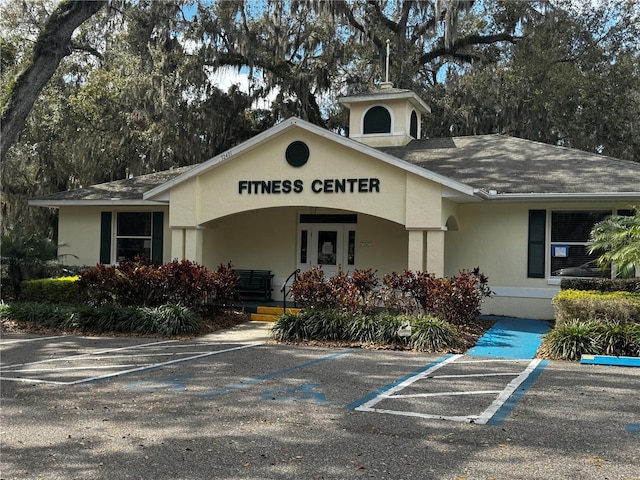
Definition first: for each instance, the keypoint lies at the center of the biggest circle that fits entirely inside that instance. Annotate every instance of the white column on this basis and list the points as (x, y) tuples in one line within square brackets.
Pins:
[(435, 252), (177, 243), (415, 259), (193, 238)]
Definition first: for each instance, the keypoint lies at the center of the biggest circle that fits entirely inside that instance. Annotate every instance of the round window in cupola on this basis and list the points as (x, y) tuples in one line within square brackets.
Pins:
[(297, 153)]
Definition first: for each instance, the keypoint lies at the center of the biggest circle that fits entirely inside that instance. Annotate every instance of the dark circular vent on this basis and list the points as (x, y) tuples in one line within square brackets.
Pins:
[(297, 154)]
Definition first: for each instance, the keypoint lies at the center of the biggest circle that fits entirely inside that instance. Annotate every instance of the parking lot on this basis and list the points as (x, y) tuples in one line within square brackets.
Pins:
[(81, 407)]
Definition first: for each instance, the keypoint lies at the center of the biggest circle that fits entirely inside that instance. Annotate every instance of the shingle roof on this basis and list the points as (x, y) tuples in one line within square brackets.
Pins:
[(513, 165), (126, 189), (505, 164)]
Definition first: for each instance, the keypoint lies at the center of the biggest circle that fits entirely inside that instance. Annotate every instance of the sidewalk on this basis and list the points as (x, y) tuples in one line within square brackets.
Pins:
[(248, 332), (511, 338)]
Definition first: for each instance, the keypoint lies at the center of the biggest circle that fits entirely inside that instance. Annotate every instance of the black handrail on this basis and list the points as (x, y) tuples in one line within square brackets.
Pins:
[(284, 289)]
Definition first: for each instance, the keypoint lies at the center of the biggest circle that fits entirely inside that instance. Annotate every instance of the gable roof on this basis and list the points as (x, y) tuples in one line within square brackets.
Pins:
[(451, 188), (513, 167)]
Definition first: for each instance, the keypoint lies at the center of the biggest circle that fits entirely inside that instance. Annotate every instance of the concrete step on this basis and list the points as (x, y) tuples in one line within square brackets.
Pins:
[(270, 314), (263, 317), (277, 310)]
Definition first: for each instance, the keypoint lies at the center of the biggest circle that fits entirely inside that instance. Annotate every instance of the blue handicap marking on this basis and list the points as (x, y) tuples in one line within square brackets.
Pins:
[(632, 428), (176, 384), (306, 391)]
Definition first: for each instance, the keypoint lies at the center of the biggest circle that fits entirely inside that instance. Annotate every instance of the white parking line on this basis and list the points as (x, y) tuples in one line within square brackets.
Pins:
[(482, 418), (22, 340), (82, 355), (122, 372)]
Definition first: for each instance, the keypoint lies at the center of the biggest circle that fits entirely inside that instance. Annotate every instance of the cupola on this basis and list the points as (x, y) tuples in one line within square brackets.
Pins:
[(386, 116)]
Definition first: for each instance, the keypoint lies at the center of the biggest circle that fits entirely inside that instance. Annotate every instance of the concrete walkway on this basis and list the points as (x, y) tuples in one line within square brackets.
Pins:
[(508, 338), (511, 338), (248, 332)]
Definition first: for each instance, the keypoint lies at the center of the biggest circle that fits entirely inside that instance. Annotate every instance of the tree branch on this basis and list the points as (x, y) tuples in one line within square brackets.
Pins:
[(52, 45), (462, 43)]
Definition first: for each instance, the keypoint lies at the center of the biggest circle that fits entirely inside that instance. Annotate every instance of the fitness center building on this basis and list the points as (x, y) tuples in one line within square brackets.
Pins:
[(386, 197)]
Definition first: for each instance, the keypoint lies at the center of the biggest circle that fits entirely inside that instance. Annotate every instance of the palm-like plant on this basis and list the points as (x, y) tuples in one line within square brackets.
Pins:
[(618, 237)]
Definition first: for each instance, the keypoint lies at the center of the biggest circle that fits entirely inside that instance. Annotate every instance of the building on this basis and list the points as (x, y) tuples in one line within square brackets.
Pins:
[(384, 198)]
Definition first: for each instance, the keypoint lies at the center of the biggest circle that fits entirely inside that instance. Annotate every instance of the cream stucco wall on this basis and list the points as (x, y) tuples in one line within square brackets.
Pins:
[(79, 235), (494, 236), (266, 239), (79, 232), (217, 191)]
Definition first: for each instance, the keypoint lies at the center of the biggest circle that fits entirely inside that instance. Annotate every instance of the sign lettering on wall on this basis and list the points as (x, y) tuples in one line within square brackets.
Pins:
[(327, 185)]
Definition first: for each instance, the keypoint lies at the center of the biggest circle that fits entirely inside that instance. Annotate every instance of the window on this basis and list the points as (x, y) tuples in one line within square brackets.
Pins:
[(570, 255), (413, 126), (377, 120), (133, 235), (136, 234)]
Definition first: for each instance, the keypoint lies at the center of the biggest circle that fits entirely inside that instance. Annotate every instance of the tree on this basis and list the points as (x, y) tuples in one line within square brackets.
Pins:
[(52, 45), (619, 238), (571, 80)]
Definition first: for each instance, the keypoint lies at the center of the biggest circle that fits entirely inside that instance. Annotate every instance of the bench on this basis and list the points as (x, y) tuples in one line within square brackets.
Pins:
[(254, 284)]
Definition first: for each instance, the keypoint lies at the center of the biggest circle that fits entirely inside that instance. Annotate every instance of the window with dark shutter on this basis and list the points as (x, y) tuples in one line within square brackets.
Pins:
[(105, 237), (536, 250)]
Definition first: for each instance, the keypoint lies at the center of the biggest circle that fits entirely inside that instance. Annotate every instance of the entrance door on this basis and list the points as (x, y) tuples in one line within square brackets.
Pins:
[(324, 245)]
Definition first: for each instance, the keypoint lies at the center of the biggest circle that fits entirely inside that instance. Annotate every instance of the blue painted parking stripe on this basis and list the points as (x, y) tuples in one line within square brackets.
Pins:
[(502, 413), (255, 380), (395, 383)]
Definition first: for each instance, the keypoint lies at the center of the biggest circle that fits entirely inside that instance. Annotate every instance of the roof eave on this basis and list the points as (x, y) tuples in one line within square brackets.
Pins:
[(95, 203), (545, 197)]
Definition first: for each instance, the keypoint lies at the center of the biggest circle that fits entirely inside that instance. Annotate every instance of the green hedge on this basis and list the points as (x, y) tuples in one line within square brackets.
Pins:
[(602, 284), (51, 290), (608, 307), (165, 320)]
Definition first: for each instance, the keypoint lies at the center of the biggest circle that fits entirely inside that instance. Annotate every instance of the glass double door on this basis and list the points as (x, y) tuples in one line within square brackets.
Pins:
[(327, 245)]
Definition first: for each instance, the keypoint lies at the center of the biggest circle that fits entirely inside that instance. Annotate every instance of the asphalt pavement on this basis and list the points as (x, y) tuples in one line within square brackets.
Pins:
[(231, 406)]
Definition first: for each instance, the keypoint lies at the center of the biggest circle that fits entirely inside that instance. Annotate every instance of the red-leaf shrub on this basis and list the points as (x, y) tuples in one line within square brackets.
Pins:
[(456, 299), (141, 283), (349, 293)]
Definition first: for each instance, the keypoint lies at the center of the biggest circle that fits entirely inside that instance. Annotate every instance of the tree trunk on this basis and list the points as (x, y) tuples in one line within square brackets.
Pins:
[(52, 45)]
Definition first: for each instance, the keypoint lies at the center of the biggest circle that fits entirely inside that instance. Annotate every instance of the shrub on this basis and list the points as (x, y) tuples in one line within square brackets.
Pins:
[(571, 340), (291, 327), (365, 329), (621, 339), (164, 320), (312, 290), (456, 299), (353, 293), (431, 334), (25, 258), (51, 290), (381, 328), (172, 320), (602, 284), (140, 283), (614, 307)]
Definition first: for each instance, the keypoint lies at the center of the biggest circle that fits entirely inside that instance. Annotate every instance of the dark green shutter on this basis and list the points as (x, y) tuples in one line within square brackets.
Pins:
[(536, 251), (156, 237), (105, 237)]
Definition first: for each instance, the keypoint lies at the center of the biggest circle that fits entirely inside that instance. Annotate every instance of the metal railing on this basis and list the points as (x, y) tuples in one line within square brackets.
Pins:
[(284, 290)]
